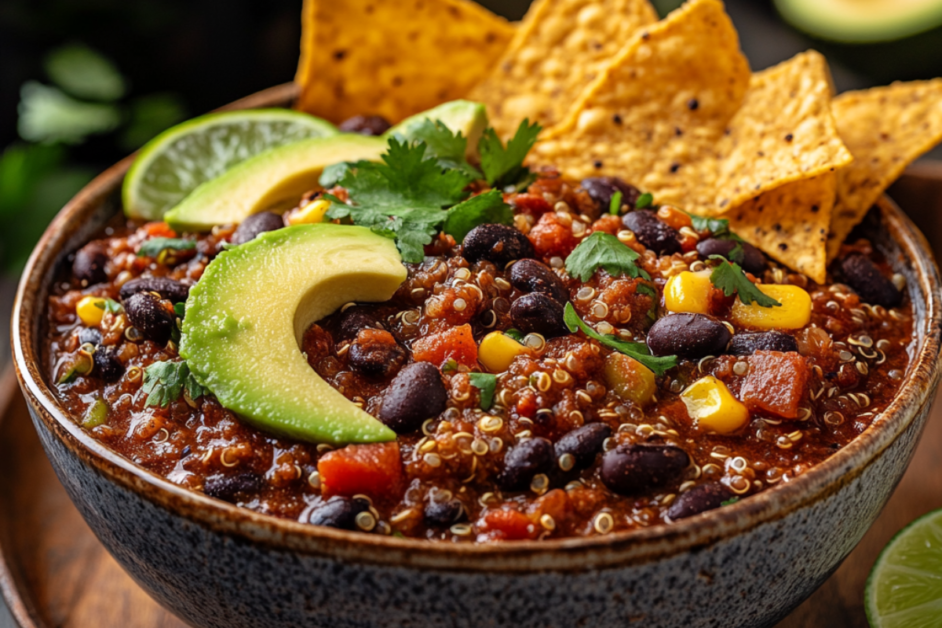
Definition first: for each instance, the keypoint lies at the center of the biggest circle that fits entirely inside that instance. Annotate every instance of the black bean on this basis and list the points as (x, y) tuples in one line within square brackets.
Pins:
[(365, 125), (538, 314), (496, 243), (339, 512), (88, 268), (353, 320), (107, 364), (633, 469), (89, 335), (230, 487), (532, 456), (747, 344), (415, 394), (173, 291), (753, 261), (255, 225), (583, 444), (699, 499), (602, 189), (861, 274), (529, 275), (443, 513), (690, 336), (652, 232), (376, 354), (148, 314)]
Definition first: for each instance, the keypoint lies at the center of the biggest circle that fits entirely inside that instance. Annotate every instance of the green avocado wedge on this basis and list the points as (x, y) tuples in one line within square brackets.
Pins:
[(269, 180), (852, 21), (470, 118), (246, 316)]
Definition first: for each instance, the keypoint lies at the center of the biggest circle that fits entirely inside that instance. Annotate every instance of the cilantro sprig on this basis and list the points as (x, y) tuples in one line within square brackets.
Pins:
[(729, 277), (603, 250), (637, 350), (109, 305), (155, 246), (164, 382), (486, 383), (503, 165), (447, 147), (406, 195)]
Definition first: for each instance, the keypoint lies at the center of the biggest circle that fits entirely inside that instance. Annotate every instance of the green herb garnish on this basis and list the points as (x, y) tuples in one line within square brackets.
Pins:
[(730, 278), (447, 147), (718, 227), (514, 333), (614, 207), (637, 350), (450, 366), (730, 501), (603, 250), (404, 197), (164, 382), (109, 305), (503, 166), (155, 246), (179, 309), (486, 383), (333, 173), (644, 201)]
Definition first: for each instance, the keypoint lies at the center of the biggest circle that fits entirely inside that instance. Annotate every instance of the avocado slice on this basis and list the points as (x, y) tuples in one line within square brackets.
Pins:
[(272, 178), (470, 118), (853, 21), (246, 316)]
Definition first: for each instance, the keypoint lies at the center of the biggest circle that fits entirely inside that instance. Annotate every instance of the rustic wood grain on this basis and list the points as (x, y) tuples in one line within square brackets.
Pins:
[(54, 572)]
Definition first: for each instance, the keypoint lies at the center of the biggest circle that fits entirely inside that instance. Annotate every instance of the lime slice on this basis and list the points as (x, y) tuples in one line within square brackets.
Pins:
[(905, 586), (178, 160)]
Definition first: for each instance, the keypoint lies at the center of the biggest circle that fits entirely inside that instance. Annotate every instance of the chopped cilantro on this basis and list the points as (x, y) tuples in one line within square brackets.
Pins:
[(718, 227), (447, 147), (614, 207), (109, 305), (637, 350), (730, 501), (644, 201), (603, 250), (450, 366), (730, 278), (485, 382), (488, 208), (164, 382), (514, 333), (179, 309), (154, 246), (503, 166)]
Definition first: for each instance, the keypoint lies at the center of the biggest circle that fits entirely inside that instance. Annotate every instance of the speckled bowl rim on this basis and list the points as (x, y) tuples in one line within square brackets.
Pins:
[(571, 554)]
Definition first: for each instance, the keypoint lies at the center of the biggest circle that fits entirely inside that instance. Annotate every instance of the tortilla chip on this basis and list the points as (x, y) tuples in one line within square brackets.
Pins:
[(886, 129), (559, 49), (790, 223), (658, 111), (394, 59), (784, 132)]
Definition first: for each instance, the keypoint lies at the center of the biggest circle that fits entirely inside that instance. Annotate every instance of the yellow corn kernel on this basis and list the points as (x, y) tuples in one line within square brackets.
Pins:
[(711, 405), (794, 313), (498, 350), (629, 379), (311, 213), (688, 292), (90, 310)]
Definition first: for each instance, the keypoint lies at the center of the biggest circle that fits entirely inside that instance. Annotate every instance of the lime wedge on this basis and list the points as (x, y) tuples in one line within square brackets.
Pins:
[(905, 586), (178, 160)]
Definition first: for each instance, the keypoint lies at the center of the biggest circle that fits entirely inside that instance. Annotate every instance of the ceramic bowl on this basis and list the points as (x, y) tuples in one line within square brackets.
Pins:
[(214, 564)]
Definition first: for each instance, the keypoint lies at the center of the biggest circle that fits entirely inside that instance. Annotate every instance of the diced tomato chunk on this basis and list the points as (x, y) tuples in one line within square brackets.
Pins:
[(159, 230), (608, 224), (777, 383), (549, 237), (374, 469), (457, 343), (507, 525), (531, 204)]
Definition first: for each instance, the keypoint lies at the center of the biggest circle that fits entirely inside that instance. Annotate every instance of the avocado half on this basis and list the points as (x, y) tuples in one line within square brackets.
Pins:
[(885, 40), (246, 317)]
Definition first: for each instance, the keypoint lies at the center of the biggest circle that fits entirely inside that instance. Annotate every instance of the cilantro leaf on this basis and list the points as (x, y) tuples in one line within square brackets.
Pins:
[(644, 201), (603, 250), (486, 383), (730, 278), (514, 333), (637, 350), (614, 206), (730, 501), (447, 147), (333, 173), (155, 246), (718, 227), (486, 208), (109, 305), (504, 166), (164, 382), (179, 309)]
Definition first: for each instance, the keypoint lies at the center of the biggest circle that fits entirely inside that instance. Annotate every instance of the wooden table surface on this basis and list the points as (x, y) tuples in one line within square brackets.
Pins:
[(59, 575)]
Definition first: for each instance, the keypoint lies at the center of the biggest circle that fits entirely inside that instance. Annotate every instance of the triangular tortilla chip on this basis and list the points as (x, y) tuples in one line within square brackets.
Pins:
[(790, 223), (784, 132), (886, 129), (559, 49), (394, 59), (656, 114)]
